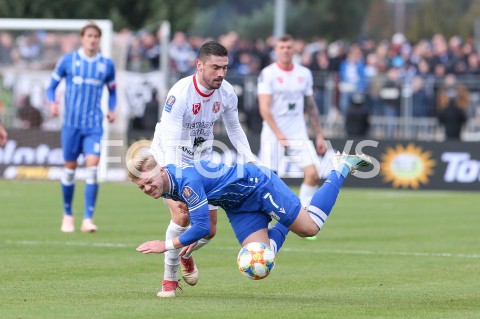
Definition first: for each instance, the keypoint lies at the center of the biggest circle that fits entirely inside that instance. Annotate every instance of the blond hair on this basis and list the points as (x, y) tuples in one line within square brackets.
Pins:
[(142, 163)]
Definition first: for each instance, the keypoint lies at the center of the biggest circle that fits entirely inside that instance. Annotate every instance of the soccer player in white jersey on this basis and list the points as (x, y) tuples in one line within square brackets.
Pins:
[(86, 72), (185, 132), (284, 93), (250, 195)]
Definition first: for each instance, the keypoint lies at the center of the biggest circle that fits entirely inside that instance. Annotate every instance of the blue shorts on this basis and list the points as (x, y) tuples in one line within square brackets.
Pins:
[(76, 141), (271, 199)]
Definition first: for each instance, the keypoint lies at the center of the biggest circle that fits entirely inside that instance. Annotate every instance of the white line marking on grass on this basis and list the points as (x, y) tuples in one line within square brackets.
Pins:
[(285, 249), (67, 243)]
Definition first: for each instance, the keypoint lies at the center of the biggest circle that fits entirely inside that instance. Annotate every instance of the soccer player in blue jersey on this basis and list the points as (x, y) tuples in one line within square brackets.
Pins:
[(250, 195), (86, 72)]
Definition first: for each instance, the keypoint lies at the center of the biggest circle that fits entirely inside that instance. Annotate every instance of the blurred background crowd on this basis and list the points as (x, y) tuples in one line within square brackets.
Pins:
[(433, 81)]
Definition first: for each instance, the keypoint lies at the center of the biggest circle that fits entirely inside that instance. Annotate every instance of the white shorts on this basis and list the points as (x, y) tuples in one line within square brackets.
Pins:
[(300, 152)]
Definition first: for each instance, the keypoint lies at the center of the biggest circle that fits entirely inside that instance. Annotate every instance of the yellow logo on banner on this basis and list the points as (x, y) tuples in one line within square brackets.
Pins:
[(407, 166)]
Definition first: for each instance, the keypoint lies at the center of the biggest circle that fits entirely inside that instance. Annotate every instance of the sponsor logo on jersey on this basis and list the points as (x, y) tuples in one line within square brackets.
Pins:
[(198, 141), (216, 107), (189, 195), (170, 101), (300, 79), (89, 81), (101, 67), (196, 108), (200, 124), (280, 80)]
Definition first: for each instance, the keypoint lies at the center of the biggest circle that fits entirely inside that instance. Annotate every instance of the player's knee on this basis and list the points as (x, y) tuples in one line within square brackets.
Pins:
[(68, 176), (312, 178), (309, 231), (212, 233), (91, 175), (180, 218)]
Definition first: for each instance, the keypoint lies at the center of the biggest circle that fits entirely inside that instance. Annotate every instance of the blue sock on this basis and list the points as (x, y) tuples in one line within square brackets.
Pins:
[(91, 191), (277, 234), (325, 197), (67, 194)]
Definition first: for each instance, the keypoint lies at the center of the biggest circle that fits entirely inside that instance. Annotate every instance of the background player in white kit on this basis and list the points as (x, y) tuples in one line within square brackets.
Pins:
[(284, 93), (185, 132)]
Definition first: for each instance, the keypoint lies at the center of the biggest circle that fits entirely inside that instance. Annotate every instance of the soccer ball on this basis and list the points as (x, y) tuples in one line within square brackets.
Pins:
[(256, 260)]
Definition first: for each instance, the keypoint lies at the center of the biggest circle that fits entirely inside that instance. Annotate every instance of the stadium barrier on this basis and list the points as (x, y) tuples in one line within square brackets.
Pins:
[(37, 155), (398, 164)]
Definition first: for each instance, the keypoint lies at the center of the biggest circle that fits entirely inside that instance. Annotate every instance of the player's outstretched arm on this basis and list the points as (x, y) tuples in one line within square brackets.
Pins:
[(159, 246), (152, 247)]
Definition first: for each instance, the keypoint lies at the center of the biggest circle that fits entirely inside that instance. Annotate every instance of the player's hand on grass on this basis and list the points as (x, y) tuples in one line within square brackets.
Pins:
[(187, 249), (152, 247)]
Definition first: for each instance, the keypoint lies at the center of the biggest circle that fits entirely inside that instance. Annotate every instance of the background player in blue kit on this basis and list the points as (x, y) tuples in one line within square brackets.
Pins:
[(250, 195), (86, 72)]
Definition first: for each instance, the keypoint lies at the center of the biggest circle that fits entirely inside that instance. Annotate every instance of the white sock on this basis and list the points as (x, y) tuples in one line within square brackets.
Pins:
[(306, 194), (202, 242), (170, 272), (273, 246), (171, 257)]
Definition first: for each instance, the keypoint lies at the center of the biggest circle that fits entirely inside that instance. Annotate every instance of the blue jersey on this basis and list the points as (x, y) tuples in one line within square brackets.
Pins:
[(240, 190), (85, 78)]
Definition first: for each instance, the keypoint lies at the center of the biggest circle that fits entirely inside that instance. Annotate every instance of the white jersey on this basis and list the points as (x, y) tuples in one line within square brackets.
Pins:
[(185, 131), (288, 89)]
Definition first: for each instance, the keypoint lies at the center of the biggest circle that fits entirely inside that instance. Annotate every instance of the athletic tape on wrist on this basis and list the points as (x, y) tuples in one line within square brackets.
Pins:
[(169, 245)]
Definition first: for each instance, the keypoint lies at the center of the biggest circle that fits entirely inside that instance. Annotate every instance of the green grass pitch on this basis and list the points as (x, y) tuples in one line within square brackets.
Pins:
[(381, 254)]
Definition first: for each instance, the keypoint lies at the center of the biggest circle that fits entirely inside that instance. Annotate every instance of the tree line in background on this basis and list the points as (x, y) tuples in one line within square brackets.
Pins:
[(331, 19)]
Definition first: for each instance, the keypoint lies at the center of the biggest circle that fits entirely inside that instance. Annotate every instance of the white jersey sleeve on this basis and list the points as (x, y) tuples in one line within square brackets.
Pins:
[(168, 133), (235, 132), (309, 84), (264, 82)]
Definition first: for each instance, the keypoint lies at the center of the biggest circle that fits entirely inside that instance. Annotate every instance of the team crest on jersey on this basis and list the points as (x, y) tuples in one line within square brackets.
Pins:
[(300, 79), (189, 195), (101, 67), (280, 80), (170, 101), (196, 108), (216, 107)]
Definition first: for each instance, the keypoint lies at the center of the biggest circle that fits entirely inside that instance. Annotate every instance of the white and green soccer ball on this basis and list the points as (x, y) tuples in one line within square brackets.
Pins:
[(256, 260)]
